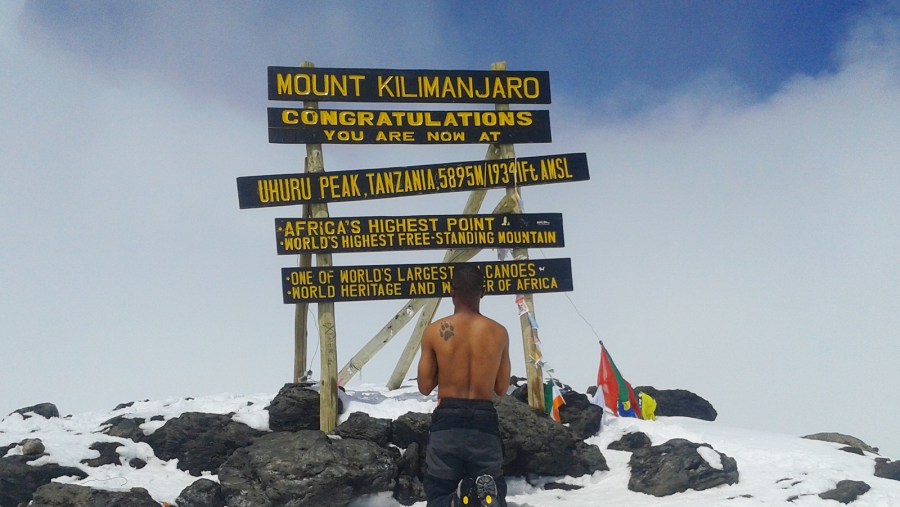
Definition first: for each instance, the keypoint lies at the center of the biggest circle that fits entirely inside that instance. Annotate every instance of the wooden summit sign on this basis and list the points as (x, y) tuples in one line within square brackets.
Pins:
[(338, 186), (461, 235), (427, 86), (331, 126), (367, 283), (364, 234)]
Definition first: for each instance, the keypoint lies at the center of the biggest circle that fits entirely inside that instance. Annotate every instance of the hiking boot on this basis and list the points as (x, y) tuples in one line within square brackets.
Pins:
[(466, 493), (486, 489)]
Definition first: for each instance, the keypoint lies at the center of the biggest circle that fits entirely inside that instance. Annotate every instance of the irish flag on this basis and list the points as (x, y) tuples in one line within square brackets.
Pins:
[(614, 391), (553, 399)]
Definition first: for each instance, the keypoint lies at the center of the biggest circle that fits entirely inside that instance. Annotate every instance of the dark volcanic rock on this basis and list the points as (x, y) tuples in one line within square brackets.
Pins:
[(124, 427), (535, 444), (120, 406), (574, 402), (583, 417), (852, 450), (295, 407), (19, 480), (306, 468), (846, 491), (410, 470), (410, 432), (840, 438), (46, 410), (201, 442), (887, 469), (201, 493), (360, 425), (561, 486), (71, 495), (412, 461), (677, 466), (411, 427), (631, 442), (108, 454), (679, 402), (32, 447), (520, 393)]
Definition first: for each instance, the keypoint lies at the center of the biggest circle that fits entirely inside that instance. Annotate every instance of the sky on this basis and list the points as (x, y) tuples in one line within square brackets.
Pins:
[(738, 236), (772, 467)]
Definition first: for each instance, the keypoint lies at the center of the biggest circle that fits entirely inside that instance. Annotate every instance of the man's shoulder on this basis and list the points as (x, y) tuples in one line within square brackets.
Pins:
[(492, 322), (439, 322), (435, 326)]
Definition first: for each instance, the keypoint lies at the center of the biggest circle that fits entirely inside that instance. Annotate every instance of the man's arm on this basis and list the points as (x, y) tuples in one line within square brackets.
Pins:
[(501, 385), (427, 377)]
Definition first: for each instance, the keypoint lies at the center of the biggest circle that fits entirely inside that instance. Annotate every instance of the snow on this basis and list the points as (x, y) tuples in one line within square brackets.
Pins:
[(772, 467), (712, 457)]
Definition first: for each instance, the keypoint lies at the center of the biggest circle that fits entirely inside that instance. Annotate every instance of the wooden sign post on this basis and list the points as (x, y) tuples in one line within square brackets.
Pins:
[(327, 331), (300, 320)]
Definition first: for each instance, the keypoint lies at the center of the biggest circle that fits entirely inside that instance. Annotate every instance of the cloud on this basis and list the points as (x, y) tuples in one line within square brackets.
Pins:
[(738, 244), (746, 249)]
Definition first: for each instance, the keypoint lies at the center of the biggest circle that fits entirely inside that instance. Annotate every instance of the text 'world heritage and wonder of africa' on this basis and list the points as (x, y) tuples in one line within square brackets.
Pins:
[(364, 283)]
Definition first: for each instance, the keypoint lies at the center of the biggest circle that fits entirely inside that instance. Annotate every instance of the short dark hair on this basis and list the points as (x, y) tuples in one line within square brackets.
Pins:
[(467, 280)]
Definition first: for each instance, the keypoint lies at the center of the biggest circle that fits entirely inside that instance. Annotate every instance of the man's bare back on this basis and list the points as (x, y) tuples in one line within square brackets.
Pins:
[(467, 356)]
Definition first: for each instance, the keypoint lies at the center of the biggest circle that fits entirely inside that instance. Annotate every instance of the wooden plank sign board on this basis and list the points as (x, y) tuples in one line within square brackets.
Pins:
[(432, 232), (404, 281), (334, 126), (363, 184), (424, 86)]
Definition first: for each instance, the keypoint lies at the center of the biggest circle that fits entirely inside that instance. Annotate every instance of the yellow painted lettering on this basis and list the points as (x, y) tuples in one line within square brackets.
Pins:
[(532, 87), (383, 86), (309, 117), (499, 90), (356, 78), (384, 119), (364, 118), (327, 117), (514, 87), (347, 118), (283, 84), (431, 122), (524, 118), (289, 117), (429, 87), (506, 118), (486, 91)]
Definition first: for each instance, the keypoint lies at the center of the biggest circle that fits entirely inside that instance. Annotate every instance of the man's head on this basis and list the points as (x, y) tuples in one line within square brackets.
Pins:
[(467, 281)]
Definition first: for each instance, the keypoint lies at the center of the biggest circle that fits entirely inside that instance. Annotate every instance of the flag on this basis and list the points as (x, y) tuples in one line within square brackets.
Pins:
[(558, 401), (648, 406), (553, 399), (618, 396)]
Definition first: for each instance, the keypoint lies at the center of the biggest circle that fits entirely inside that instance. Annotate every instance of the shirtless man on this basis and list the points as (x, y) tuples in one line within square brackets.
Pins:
[(466, 356)]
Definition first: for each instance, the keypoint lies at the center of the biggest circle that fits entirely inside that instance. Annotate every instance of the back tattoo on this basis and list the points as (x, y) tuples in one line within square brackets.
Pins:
[(446, 331)]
